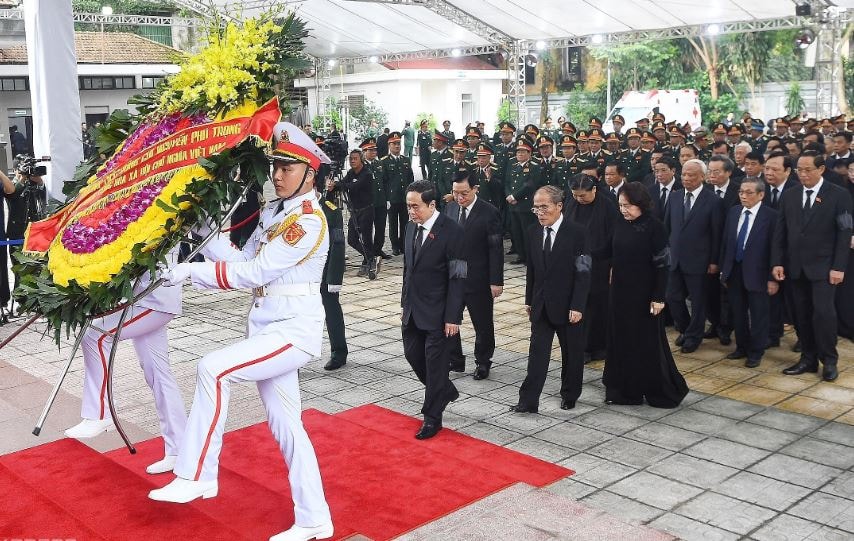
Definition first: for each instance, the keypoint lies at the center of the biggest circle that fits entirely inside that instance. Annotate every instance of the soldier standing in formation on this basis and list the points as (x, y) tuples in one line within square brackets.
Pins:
[(396, 174)]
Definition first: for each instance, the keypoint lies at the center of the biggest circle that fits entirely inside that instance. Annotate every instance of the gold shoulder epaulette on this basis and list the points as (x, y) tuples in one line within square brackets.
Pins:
[(331, 205)]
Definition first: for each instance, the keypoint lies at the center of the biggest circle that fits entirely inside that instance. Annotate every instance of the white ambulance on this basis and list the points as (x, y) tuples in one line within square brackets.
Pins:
[(677, 105)]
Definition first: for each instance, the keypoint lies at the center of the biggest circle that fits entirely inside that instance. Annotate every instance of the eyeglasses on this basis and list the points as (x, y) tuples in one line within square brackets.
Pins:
[(541, 209), (747, 192), (806, 169)]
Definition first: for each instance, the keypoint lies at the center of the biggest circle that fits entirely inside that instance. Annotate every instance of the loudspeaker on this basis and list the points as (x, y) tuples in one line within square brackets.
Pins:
[(803, 10)]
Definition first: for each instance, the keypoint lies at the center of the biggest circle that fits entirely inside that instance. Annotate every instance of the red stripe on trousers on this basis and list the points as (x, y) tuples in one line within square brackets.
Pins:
[(219, 401), (104, 359), (225, 276), (218, 276)]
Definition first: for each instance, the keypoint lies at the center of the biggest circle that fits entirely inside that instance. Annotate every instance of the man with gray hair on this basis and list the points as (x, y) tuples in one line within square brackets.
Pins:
[(694, 225), (556, 288)]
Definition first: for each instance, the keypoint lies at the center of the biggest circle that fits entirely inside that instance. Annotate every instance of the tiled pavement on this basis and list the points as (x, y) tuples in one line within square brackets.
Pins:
[(751, 454)]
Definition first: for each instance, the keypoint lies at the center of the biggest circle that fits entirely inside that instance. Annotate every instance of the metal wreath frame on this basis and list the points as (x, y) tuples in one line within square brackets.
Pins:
[(125, 308)]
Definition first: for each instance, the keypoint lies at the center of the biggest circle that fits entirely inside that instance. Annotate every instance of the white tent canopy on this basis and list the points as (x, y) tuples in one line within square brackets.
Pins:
[(364, 28)]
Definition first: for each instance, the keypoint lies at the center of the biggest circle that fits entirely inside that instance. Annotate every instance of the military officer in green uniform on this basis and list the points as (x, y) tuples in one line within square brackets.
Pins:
[(701, 141), (648, 140), (677, 141), (505, 154), (614, 143), (450, 167), (440, 152), (642, 124), (333, 276), (473, 137), (734, 135), (446, 131), (659, 130), (548, 162), (522, 181), (758, 140), (596, 153), (635, 159), (570, 165), (423, 141), (488, 176), (568, 128), (583, 147), (396, 173), (594, 123), (369, 151)]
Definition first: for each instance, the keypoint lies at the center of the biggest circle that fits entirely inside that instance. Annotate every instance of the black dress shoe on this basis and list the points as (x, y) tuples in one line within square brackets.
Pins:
[(588, 358), (800, 367), (689, 347), (725, 339), (511, 251), (737, 354), (334, 364), (518, 261), (567, 404), (457, 367), (752, 363), (680, 340), (428, 430), (711, 333), (519, 408), (481, 372), (797, 347), (829, 372), (773, 343), (395, 251), (384, 255)]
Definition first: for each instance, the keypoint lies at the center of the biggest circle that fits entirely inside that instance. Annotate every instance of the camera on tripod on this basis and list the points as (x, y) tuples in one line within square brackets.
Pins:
[(336, 148), (28, 165)]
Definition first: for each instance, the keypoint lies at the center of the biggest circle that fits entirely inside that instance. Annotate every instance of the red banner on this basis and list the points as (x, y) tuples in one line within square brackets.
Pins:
[(180, 149)]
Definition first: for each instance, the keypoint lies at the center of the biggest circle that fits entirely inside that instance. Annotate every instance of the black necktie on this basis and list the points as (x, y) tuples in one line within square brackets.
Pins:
[(547, 245), (281, 206), (463, 216), (720, 193), (419, 238), (687, 206), (663, 198), (614, 192), (808, 203), (775, 195)]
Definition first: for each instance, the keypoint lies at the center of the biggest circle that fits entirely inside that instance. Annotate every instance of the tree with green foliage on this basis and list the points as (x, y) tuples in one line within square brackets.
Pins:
[(628, 73), (361, 117), (583, 104), (330, 116), (507, 112), (794, 101), (429, 117)]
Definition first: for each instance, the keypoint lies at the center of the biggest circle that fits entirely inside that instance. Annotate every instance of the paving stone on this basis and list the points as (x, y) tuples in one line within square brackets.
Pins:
[(610, 421), (795, 470), (695, 471), (758, 436), (761, 490), (655, 490), (630, 452), (541, 449), (728, 453), (825, 452), (727, 407), (669, 437), (621, 506), (574, 436), (595, 470), (837, 433), (570, 488), (842, 486), (786, 421), (789, 528), (524, 423), (726, 513), (688, 529), (698, 421), (827, 509)]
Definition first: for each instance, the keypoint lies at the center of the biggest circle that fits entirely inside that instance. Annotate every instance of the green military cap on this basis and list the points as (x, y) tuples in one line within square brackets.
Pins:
[(394, 137), (460, 144), (485, 149), (620, 119), (581, 135), (368, 143), (524, 142), (596, 133), (613, 138), (676, 131), (568, 140), (642, 120), (594, 122), (473, 131), (507, 127), (545, 140), (633, 132), (719, 127), (532, 130), (659, 125), (735, 129), (648, 136), (658, 117), (568, 127), (440, 136)]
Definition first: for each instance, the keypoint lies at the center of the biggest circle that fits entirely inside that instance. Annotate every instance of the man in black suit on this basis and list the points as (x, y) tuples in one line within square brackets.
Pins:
[(483, 248), (665, 184), (810, 249), (718, 310), (779, 177), (746, 269), (694, 223), (556, 287), (382, 143), (434, 275), (615, 179)]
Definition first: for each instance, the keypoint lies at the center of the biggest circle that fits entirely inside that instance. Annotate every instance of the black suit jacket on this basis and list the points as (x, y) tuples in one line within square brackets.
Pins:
[(655, 194), (433, 281), (815, 242), (695, 241), (482, 244), (788, 185), (756, 265), (730, 198), (553, 289)]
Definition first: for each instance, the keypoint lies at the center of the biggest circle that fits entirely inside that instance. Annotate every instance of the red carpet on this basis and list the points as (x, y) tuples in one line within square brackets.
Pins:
[(380, 482)]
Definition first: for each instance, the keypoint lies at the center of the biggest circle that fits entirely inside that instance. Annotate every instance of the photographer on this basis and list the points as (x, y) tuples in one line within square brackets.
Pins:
[(358, 187), (26, 199)]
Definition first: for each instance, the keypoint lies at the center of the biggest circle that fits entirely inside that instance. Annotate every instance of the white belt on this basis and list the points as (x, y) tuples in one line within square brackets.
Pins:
[(288, 290)]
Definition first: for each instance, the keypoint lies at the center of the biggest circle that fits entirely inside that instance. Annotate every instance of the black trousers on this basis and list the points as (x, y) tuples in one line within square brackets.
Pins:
[(480, 305), (519, 222), (397, 220), (595, 319), (334, 324), (845, 300), (5, 294), (815, 317), (362, 224), (718, 309), (776, 313), (424, 162), (380, 215), (751, 315), (682, 286), (571, 340), (427, 354)]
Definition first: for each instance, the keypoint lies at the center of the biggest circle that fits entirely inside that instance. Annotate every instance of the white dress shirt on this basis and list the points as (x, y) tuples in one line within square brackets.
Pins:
[(813, 195), (428, 225), (754, 210), (555, 226)]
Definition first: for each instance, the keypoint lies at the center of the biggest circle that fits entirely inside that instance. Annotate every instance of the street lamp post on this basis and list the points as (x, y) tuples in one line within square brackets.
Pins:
[(106, 11)]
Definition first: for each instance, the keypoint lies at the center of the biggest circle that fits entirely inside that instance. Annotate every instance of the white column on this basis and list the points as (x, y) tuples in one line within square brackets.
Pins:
[(52, 63)]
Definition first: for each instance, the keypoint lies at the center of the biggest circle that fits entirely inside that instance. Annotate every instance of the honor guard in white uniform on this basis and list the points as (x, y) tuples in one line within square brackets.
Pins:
[(145, 324), (282, 263)]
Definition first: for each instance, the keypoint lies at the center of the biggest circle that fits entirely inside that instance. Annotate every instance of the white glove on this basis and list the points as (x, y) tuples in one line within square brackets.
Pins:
[(388, 205), (334, 288), (177, 274)]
